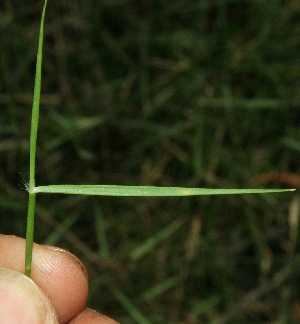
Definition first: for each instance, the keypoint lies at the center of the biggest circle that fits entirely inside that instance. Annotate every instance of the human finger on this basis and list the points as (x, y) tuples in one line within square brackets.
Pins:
[(22, 301), (57, 272)]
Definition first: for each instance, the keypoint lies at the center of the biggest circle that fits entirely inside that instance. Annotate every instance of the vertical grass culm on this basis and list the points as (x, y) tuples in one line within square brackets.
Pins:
[(33, 139)]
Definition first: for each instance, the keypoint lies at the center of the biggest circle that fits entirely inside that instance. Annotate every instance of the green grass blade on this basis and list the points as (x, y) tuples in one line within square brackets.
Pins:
[(33, 138), (36, 102), (103, 245), (159, 289), (129, 306), (146, 191), (147, 246), (63, 227)]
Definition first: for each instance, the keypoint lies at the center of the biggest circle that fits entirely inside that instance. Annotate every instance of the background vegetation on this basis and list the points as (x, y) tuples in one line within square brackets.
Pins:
[(186, 93)]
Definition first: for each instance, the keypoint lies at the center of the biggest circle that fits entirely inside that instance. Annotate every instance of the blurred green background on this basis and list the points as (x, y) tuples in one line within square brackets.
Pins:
[(174, 93)]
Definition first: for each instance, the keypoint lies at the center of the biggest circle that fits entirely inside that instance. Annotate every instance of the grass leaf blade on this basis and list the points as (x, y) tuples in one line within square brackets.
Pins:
[(36, 102), (146, 191)]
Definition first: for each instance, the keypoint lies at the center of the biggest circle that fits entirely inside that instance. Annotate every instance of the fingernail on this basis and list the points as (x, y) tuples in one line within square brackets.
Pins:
[(22, 301)]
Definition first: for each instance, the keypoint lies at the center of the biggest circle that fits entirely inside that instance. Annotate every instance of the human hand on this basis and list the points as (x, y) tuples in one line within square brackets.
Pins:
[(57, 292)]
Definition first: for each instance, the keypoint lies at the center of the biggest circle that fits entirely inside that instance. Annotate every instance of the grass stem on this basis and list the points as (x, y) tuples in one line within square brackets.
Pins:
[(29, 233), (33, 139)]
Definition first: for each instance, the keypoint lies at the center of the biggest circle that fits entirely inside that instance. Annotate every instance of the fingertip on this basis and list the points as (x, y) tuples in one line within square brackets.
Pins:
[(63, 277), (57, 272), (18, 292)]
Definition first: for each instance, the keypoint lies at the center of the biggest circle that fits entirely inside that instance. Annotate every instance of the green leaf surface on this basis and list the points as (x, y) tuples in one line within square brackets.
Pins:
[(146, 191), (36, 101)]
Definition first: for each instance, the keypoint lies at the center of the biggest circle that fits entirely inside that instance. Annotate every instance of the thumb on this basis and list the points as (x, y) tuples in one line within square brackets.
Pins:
[(22, 301)]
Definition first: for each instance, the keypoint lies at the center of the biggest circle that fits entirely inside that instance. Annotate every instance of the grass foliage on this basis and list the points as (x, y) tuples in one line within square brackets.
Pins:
[(166, 93)]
